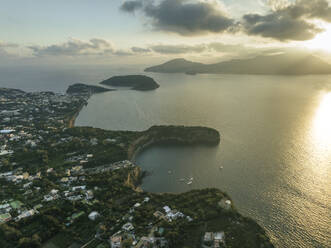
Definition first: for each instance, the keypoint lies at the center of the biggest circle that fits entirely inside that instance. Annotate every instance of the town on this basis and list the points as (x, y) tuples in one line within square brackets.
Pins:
[(65, 186)]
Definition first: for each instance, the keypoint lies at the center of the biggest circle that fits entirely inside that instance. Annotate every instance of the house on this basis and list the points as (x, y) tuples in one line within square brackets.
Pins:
[(6, 131), (27, 185), (78, 188), (5, 218), (128, 227), (215, 240), (54, 191), (158, 215), (137, 205), (167, 209), (116, 241), (189, 219), (26, 214), (48, 198), (208, 237), (5, 207), (93, 215), (219, 237), (225, 203), (89, 195)]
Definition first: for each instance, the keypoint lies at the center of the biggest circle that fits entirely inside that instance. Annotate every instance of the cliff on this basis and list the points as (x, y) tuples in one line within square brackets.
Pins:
[(174, 135)]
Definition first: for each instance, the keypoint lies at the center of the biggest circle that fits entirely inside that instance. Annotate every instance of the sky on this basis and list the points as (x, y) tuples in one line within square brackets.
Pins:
[(140, 31)]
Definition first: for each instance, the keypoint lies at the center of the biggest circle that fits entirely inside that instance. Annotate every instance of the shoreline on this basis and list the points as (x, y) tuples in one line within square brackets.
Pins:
[(117, 146), (187, 136)]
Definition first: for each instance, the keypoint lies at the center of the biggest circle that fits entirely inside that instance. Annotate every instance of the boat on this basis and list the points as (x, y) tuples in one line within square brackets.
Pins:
[(221, 167), (189, 183), (191, 179)]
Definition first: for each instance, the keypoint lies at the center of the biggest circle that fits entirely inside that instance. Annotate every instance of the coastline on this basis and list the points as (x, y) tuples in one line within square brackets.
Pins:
[(189, 136), (72, 120)]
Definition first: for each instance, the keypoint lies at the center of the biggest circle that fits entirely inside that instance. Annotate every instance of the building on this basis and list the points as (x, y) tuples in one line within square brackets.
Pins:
[(93, 215), (5, 218), (116, 241), (128, 227)]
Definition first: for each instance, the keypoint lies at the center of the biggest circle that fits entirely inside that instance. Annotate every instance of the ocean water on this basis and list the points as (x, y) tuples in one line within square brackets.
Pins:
[(275, 145)]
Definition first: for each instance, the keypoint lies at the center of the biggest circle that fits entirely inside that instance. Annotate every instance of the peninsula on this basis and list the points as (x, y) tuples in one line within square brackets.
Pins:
[(84, 88), (65, 186), (280, 64), (135, 82)]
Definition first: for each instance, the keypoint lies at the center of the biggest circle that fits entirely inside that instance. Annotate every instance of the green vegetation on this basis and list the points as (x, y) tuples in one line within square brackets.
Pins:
[(58, 178), (136, 82), (84, 88)]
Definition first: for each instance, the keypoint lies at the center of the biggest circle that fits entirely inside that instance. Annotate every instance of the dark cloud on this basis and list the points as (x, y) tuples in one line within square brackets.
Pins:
[(131, 6), (279, 26), (75, 48), (183, 16), (310, 9), (289, 22)]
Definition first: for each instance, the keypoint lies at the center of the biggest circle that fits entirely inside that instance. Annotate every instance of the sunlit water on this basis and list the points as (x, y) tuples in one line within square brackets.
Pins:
[(275, 148)]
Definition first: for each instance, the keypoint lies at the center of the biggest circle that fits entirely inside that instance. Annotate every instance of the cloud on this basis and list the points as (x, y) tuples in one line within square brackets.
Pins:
[(289, 21), (75, 47), (286, 20), (178, 49), (182, 16), (140, 50), (203, 48), (7, 45), (131, 6), (4, 48)]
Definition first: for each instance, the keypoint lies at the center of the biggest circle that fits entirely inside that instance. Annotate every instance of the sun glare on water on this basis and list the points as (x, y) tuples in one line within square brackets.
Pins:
[(322, 124), (321, 41)]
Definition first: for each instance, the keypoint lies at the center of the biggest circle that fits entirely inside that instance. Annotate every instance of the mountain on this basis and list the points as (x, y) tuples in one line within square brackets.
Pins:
[(280, 64), (136, 82), (176, 66)]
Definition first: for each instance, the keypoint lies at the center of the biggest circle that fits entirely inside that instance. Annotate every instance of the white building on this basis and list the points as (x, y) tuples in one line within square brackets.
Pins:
[(93, 215)]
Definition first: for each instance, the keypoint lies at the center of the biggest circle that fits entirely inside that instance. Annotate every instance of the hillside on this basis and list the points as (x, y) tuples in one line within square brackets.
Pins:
[(84, 88), (281, 64)]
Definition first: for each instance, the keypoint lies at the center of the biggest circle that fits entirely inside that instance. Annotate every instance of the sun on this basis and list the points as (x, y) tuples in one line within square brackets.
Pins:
[(322, 41)]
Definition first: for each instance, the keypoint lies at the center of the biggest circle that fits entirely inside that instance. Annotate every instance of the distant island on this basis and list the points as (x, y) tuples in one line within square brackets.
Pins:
[(136, 82), (280, 64), (84, 88)]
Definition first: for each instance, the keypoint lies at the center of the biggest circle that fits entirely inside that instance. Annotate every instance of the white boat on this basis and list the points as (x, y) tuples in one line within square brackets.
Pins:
[(221, 167), (190, 182), (191, 179)]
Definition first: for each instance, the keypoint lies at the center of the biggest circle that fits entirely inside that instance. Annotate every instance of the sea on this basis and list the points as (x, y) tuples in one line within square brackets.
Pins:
[(274, 158)]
